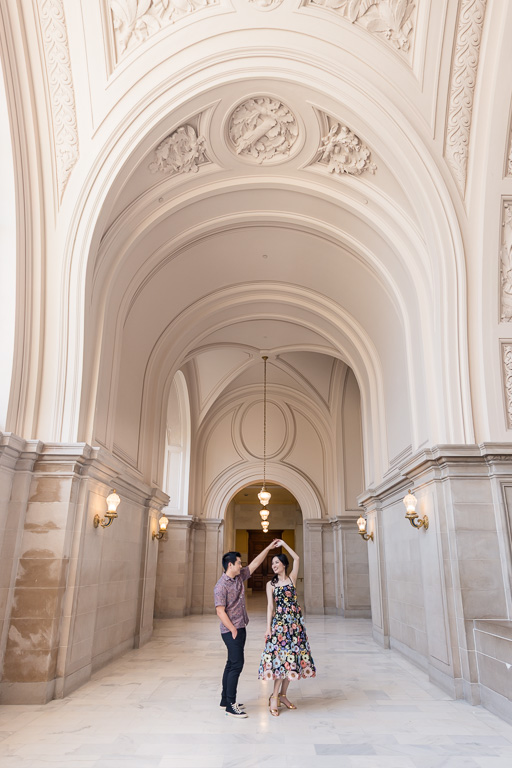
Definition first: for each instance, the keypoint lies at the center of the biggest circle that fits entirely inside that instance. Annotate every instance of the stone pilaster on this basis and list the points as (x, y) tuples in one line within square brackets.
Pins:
[(354, 581), (174, 571), (314, 576)]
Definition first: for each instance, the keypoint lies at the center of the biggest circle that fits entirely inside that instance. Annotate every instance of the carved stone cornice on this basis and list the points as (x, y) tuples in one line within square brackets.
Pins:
[(462, 89), (391, 20), (133, 21), (60, 84)]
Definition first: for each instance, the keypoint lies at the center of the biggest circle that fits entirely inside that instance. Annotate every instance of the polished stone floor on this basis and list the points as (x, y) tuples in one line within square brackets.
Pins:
[(158, 707)]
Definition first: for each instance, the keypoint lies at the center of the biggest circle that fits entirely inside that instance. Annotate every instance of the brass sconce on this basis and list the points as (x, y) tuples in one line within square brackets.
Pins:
[(162, 527), (361, 524), (410, 502), (111, 513)]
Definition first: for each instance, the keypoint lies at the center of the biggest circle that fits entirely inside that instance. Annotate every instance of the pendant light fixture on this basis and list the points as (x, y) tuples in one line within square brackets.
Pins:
[(264, 495)]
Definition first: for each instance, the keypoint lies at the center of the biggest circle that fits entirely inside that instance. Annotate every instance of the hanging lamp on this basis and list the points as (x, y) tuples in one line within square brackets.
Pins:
[(264, 495)]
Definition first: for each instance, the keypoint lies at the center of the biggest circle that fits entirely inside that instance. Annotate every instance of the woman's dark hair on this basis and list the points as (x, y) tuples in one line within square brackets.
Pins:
[(285, 562)]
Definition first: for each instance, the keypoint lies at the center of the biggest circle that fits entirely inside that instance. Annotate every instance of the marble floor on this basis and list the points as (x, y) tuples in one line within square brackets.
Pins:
[(158, 707)]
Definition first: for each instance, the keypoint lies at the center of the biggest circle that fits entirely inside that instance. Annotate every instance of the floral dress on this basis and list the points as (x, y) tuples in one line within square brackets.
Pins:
[(286, 653)]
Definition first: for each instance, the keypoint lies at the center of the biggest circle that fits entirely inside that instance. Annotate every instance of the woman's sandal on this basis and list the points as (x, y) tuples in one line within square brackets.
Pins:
[(283, 699), (274, 712)]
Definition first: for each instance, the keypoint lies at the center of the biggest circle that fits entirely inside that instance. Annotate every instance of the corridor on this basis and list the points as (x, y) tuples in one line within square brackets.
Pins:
[(158, 707)]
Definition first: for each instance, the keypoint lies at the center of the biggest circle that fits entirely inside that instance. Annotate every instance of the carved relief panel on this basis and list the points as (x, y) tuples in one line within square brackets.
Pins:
[(133, 21), (462, 89), (391, 20), (183, 151), (506, 263), (506, 356), (344, 152)]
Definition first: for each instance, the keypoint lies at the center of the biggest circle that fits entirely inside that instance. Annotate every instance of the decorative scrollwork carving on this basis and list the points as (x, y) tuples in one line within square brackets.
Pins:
[(135, 20), (266, 5), (389, 18), (344, 152), (506, 263), (462, 90), (509, 159), (60, 83), (181, 152), (507, 377), (263, 129)]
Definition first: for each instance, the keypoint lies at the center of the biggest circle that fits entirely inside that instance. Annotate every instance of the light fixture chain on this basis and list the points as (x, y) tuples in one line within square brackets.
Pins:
[(264, 419)]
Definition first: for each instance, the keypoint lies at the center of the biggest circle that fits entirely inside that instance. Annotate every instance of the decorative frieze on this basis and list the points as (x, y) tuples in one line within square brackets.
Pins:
[(506, 263), (181, 152), (60, 84), (263, 130), (136, 20), (344, 152), (390, 19), (507, 379), (462, 89)]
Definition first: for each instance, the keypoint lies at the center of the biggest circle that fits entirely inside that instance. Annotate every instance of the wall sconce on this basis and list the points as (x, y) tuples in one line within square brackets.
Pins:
[(361, 524), (410, 502), (162, 527), (111, 513)]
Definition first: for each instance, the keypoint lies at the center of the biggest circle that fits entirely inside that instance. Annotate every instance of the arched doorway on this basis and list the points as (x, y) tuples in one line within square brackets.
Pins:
[(243, 532)]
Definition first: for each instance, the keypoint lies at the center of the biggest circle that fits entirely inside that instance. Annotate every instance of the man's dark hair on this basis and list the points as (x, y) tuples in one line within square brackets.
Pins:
[(229, 557)]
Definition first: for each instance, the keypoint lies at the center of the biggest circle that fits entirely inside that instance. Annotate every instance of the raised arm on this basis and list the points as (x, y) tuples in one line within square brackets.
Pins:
[(296, 561), (270, 608), (262, 555)]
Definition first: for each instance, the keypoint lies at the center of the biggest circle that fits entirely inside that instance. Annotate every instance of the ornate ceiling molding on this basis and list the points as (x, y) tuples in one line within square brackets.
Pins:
[(506, 263), (60, 83), (463, 80), (265, 5), (391, 20), (344, 152), (262, 130), (506, 352), (183, 151), (134, 21)]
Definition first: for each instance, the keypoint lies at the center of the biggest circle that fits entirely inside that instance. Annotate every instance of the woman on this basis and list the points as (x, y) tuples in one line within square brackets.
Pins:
[(286, 655)]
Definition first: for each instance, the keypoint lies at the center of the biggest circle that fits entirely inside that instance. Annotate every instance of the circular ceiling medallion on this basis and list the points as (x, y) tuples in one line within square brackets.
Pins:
[(262, 130), (251, 429)]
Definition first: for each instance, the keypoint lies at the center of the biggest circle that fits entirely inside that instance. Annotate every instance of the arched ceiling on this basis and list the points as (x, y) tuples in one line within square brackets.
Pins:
[(249, 175)]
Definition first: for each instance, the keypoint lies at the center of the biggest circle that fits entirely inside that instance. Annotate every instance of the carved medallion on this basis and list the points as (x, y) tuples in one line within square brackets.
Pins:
[(135, 20), (263, 130), (344, 152), (390, 19), (181, 152), (506, 263)]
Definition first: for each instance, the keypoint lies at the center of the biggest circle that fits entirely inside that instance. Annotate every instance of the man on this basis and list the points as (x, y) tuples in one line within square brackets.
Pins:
[(229, 594)]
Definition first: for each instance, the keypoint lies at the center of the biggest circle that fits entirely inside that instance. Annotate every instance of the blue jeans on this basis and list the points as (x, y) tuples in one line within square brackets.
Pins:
[(234, 664)]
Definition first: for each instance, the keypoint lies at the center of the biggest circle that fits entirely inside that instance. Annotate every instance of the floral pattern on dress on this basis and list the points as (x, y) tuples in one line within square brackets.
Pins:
[(287, 653)]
